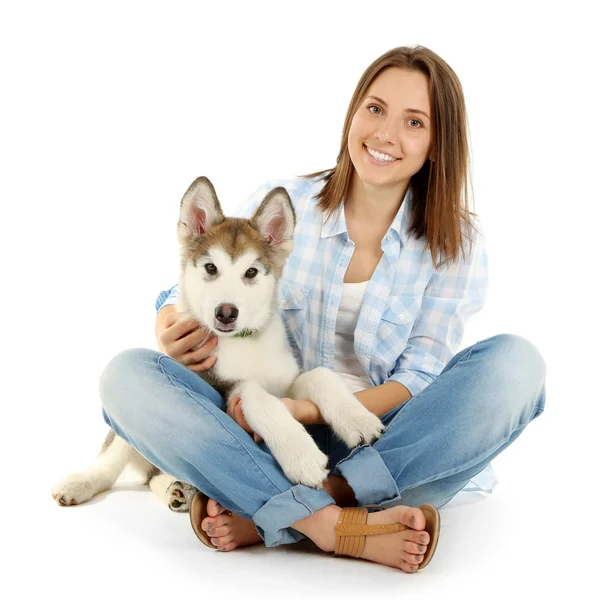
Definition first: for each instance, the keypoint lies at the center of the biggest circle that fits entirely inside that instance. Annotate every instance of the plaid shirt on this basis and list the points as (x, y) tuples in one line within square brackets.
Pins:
[(413, 315)]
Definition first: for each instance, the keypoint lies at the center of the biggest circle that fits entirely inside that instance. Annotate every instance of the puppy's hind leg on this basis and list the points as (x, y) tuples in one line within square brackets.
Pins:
[(99, 477), (176, 494)]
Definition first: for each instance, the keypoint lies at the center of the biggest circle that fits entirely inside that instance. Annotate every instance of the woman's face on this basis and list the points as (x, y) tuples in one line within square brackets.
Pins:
[(392, 122)]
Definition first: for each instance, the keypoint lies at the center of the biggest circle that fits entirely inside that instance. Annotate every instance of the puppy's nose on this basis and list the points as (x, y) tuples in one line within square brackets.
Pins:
[(226, 313)]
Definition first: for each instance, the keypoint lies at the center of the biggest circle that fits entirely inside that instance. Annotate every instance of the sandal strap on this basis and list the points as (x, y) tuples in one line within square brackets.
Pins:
[(352, 528), (352, 544)]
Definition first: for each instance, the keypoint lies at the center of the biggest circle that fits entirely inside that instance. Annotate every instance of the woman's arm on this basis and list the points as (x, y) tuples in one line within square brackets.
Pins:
[(161, 316), (379, 400)]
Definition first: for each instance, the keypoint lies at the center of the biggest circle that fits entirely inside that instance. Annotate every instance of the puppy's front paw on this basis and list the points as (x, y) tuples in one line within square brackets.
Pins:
[(74, 489), (179, 496), (305, 464), (358, 426)]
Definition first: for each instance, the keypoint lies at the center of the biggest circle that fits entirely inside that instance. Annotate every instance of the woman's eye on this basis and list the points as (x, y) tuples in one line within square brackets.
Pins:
[(416, 121), (210, 269), (251, 273), (376, 108)]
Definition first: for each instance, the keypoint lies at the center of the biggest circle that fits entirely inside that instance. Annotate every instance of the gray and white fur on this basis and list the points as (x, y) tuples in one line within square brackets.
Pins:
[(229, 277)]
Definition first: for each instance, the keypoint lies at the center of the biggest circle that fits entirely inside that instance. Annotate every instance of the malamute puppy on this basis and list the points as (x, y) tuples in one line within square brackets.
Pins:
[(229, 276)]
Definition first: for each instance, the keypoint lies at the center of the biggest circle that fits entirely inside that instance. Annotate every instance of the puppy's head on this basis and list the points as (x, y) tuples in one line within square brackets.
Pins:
[(230, 267)]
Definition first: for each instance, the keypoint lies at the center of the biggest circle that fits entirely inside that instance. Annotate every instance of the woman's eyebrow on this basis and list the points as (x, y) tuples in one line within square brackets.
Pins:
[(413, 110)]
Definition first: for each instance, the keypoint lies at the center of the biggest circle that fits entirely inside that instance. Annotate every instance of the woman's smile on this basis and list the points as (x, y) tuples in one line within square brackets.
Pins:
[(379, 158)]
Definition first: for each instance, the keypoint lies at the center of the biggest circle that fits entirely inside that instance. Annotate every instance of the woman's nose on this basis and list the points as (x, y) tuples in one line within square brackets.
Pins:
[(387, 133), (382, 135)]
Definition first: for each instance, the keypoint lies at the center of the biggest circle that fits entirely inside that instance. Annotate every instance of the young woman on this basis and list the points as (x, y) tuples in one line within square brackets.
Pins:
[(386, 269)]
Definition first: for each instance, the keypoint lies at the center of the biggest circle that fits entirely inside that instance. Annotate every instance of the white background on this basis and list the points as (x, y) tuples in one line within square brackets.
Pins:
[(109, 111)]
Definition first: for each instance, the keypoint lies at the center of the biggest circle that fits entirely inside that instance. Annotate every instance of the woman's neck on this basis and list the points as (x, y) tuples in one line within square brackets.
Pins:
[(366, 203)]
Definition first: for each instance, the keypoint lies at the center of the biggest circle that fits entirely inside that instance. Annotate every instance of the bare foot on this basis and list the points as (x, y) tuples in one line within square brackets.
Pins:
[(228, 531), (403, 550), (233, 531)]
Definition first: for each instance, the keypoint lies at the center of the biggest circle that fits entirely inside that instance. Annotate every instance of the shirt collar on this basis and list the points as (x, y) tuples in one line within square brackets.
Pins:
[(336, 224)]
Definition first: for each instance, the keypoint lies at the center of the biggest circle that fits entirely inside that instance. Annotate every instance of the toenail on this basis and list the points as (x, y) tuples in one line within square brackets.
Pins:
[(412, 521), (422, 538), (209, 525), (211, 532)]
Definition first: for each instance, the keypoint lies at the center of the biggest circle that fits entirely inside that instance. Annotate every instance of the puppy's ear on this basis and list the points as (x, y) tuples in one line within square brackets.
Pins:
[(199, 210), (275, 219)]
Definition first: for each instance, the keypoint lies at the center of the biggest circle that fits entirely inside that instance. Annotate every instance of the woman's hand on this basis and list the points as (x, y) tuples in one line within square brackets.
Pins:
[(294, 406), (234, 410), (304, 411), (181, 337)]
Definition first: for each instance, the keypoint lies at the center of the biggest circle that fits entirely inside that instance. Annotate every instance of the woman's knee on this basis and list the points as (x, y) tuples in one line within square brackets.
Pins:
[(145, 391), (520, 356), (124, 376), (515, 369)]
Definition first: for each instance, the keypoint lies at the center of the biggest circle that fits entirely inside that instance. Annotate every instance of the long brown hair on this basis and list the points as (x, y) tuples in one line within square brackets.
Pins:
[(440, 190)]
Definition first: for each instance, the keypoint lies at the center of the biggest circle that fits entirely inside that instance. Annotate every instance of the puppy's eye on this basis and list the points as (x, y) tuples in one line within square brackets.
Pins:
[(251, 273), (210, 269)]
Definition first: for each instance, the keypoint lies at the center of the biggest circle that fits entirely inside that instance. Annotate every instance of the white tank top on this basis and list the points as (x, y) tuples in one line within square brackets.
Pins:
[(346, 362)]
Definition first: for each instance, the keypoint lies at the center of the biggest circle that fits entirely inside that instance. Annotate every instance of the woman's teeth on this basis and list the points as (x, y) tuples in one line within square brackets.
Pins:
[(380, 156)]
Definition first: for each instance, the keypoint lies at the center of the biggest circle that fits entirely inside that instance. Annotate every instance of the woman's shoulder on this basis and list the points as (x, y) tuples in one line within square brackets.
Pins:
[(300, 189), (302, 192)]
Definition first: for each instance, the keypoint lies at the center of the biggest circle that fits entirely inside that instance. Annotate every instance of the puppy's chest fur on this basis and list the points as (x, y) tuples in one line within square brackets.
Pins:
[(264, 358)]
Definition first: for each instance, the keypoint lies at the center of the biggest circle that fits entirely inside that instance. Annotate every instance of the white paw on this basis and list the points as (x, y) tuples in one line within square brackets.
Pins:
[(303, 462), (74, 489), (357, 425), (179, 496)]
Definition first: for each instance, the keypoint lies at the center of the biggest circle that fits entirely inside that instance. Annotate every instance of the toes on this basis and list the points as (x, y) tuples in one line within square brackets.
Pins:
[(413, 548), (221, 542), (219, 532), (419, 537), (408, 568), (213, 508), (220, 521), (216, 522), (228, 547), (412, 517), (411, 559)]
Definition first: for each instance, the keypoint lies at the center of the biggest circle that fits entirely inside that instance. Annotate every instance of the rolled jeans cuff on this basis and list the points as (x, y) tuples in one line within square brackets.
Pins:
[(274, 519), (368, 476)]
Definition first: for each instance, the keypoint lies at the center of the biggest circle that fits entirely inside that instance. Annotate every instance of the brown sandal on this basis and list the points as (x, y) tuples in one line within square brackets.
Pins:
[(351, 531), (198, 512)]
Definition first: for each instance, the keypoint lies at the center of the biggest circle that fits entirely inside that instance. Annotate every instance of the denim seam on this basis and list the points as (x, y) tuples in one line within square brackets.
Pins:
[(174, 380), (353, 452), (536, 413), (297, 498)]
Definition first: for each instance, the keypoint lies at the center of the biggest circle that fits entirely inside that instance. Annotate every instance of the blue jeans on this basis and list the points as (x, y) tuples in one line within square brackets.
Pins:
[(433, 444)]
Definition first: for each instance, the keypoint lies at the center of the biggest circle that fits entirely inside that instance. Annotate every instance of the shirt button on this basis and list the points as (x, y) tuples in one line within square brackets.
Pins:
[(402, 318)]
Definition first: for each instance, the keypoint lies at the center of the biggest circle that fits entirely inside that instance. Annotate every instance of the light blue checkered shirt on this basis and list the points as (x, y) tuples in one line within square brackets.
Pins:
[(412, 317)]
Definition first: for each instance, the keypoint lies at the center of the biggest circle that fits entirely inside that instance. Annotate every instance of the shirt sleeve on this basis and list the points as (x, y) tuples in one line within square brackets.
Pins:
[(453, 295), (244, 210), (170, 296)]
